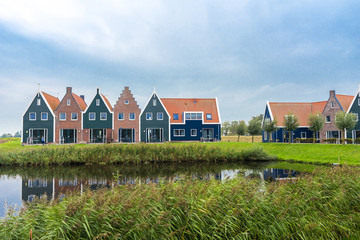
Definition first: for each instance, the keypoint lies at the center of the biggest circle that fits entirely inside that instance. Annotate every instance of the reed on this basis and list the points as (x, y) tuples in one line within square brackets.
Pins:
[(128, 153), (321, 205)]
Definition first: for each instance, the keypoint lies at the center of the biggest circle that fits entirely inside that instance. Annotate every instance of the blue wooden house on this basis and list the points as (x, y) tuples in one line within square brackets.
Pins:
[(154, 121), (38, 121), (193, 119)]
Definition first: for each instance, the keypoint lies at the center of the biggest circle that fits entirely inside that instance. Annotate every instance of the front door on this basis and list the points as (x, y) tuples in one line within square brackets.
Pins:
[(154, 135), (208, 134), (68, 136), (126, 134), (97, 135)]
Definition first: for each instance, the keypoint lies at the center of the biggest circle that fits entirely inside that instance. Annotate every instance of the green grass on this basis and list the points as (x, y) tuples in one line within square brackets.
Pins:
[(321, 205)]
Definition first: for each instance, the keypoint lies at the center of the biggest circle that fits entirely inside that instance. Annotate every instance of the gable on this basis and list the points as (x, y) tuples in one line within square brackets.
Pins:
[(149, 107)]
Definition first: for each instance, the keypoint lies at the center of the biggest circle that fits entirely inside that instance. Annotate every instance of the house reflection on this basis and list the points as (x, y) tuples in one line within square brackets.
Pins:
[(34, 188)]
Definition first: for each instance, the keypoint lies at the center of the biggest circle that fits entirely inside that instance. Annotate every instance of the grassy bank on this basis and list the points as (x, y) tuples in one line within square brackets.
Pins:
[(323, 205), (128, 153)]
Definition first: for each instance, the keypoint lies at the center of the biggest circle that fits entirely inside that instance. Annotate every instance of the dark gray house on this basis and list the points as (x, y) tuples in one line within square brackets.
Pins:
[(355, 108), (154, 121), (39, 119), (98, 120)]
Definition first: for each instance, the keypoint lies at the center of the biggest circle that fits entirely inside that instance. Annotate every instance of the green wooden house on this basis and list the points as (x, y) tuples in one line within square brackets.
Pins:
[(98, 120), (154, 121), (355, 108), (38, 121)]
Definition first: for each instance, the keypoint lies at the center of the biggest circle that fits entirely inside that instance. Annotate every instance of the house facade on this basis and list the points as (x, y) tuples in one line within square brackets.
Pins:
[(154, 121), (98, 120), (69, 118), (335, 103), (355, 108), (193, 119), (126, 118), (39, 119)]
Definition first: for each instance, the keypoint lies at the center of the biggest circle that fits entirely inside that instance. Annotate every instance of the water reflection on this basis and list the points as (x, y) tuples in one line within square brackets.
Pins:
[(25, 184)]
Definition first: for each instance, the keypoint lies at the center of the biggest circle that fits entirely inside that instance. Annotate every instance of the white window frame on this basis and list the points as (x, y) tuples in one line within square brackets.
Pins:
[(30, 116), (47, 116), (126, 102), (154, 102), (73, 119), (62, 119), (207, 116), (97, 102), (177, 132), (68, 102), (327, 120), (150, 116), (191, 132), (121, 119), (103, 119), (189, 115), (158, 114), (301, 135), (94, 116), (359, 100), (132, 119), (356, 117), (38, 101)]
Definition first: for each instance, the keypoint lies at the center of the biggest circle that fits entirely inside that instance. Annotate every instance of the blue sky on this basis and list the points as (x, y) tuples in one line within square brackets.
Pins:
[(243, 52)]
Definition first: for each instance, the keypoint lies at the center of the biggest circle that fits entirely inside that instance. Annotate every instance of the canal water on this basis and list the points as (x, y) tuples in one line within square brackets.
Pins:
[(22, 184)]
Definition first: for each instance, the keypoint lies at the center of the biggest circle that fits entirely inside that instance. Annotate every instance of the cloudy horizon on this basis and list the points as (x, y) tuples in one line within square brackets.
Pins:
[(242, 52)]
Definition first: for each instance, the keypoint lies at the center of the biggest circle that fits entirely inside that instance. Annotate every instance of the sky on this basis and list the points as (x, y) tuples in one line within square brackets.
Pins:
[(242, 52)]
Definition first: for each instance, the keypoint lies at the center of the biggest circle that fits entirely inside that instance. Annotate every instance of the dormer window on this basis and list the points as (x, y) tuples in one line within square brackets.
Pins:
[(68, 102), (97, 102), (38, 102), (126, 101), (208, 116), (175, 116)]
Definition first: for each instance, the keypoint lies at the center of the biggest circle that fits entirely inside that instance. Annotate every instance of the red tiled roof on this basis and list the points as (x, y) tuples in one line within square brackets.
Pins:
[(300, 110), (107, 102), (181, 105), (345, 100), (80, 101), (51, 100)]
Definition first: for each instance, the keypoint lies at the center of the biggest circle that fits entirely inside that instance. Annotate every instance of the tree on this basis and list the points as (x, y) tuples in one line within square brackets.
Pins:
[(225, 128), (316, 123), (269, 126), (17, 134), (345, 121), (291, 123), (232, 127), (241, 129), (254, 127), (6, 135)]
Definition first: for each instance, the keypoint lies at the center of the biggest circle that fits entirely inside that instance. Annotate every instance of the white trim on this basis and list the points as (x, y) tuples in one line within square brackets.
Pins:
[(271, 115), (353, 101), (77, 117), (157, 116), (179, 132), (218, 110), (94, 118), (122, 118), (301, 135), (30, 118), (152, 117), (105, 116), (133, 118), (97, 102), (68, 102), (60, 117), (192, 134), (47, 116)]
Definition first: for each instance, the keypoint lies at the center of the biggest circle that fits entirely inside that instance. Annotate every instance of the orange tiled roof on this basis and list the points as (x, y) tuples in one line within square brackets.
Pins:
[(107, 102), (181, 105), (51, 100), (300, 110), (345, 100), (80, 101)]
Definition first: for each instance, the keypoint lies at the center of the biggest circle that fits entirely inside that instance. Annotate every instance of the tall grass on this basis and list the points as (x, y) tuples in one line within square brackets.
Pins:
[(120, 153), (324, 205)]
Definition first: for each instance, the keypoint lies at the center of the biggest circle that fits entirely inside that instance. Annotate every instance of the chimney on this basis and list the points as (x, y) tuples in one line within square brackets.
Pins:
[(98, 90), (83, 97), (126, 88), (332, 93), (68, 90)]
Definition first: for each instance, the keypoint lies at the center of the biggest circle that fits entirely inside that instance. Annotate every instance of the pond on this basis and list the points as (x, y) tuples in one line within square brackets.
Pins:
[(21, 184)]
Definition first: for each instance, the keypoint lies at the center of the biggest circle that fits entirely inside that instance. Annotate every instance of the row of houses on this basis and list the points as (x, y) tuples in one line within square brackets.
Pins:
[(328, 109), (71, 120)]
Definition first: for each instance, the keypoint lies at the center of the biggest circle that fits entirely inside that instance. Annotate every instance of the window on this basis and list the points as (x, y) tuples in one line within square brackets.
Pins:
[(328, 119), (44, 116), (103, 116), (332, 104), (208, 116), (193, 116), (154, 102), (68, 102), (97, 102), (179, 132), (149, 116), (74, 116), (121, 116), (176, 116), (356, 117), (131, 116), (160, 116), (358, 101), (126, 101), (303, 135), (193, 132), (92, 116), (267, 120), (32, 116), (62, 116), (38, 102)]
